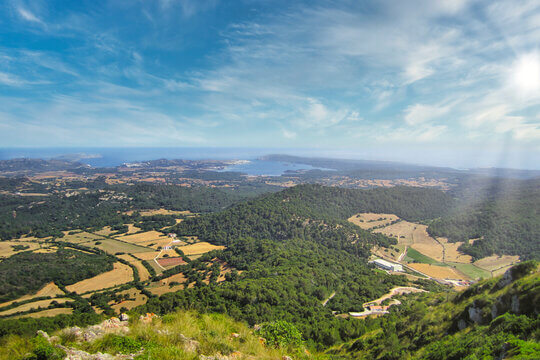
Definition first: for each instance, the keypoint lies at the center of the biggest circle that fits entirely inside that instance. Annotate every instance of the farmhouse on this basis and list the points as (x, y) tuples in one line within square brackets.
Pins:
[(383, 264)]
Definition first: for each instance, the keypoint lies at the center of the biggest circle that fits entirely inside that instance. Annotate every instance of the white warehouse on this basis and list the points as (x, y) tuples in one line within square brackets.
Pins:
[(387, 265)]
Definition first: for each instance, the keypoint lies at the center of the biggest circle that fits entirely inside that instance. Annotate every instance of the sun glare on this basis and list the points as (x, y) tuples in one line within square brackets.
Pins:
[(526, 73)]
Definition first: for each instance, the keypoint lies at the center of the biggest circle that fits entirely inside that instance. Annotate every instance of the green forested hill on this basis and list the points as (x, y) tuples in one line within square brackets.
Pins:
[(505, 215), (494, 319)]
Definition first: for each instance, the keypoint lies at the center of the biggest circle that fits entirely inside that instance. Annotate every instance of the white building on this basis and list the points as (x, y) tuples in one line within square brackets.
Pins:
[(387, 265)]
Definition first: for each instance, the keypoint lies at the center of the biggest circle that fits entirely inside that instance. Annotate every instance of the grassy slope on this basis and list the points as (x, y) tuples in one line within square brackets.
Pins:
[(438, 326)]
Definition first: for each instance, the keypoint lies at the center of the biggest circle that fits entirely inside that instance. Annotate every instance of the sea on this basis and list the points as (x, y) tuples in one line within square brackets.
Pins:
[(111, 157)]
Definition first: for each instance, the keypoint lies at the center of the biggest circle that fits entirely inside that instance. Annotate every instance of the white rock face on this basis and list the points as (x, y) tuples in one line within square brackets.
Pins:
[(515, 304), (475, 314)]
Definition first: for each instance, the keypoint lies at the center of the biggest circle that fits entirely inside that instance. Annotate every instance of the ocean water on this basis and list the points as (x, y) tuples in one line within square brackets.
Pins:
[(110, 157)]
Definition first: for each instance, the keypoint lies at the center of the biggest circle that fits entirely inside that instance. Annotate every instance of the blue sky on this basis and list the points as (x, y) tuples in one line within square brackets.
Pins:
[(429, 81)]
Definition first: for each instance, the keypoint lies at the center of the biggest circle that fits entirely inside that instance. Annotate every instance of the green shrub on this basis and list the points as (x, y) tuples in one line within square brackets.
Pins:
[(281, 334), (43, 350)]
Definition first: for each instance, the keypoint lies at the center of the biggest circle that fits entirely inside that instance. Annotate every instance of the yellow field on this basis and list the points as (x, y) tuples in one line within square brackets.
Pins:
[(154, 244), (48, 290), (121, 274), (495, 262), (158, 212), (199, 248), (106, 231), (403, 231), (426, 244), (163, 286), (46, 313), (147, 236), (452, 254), (33, 239), (113, 246), (136, 299), (148, 256), (369, 220), (82, 237), (33, 305), (143, 272), (439, 272), (6, 249)]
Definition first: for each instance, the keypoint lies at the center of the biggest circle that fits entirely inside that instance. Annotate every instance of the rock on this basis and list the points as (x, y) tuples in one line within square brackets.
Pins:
[(506, 279), (286, 358), (191, 345), (515, 304), (475, 314), (235, 335), (124, 317), (44, 334), (148, 317), (462, 324), (218, 356)]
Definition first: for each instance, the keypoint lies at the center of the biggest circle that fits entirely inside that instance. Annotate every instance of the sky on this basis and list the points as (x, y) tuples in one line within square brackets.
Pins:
[(443, 82)]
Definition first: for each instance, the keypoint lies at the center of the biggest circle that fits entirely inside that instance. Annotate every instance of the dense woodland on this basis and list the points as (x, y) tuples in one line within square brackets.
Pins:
[(50, 215), (504, 215), (26, 272)]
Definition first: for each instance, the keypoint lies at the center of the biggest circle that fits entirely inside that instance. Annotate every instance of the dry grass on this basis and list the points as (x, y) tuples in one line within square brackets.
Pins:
[(114, 246), (33, 305), (148, 256), (439, 272), (136, 298), (162, 287), (46, 313), (82, 237), (403, 231), (154, 244), (370, 220), (158, 212), (200, 248), (106, 231), (143, 237), (121, 274), (143, 272), (452, 254), (426, 244), (6, 249), (495, 262), (48, 290)]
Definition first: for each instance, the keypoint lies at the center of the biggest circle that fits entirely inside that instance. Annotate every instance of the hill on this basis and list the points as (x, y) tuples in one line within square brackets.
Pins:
[(492, 319)]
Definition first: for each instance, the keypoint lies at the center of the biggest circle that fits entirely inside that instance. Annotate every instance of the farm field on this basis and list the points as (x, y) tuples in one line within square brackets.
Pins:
[(426, 244), (143, 237), (451, 252), (121, 274), (370, 220), (170, 261), (143, 272), (136, 298), (472, 271), (199, 248), (82, 237), (46, 313), (438, 272), (6, 247), (402, 231), (48, 290), (106, 231), (158, 212), (495, 262), (33, 305), (112, 246), (163, 286)]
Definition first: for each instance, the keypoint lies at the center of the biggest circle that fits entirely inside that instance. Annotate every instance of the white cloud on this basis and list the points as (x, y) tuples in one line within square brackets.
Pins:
[(28, 16), (419, 113)]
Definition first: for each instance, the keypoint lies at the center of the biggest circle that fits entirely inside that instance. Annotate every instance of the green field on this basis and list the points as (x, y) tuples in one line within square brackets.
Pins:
[(472, 271), (416, 256)]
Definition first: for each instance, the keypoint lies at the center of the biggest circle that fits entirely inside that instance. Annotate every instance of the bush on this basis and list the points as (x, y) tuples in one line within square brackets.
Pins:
[(281, 334), (43, 350)]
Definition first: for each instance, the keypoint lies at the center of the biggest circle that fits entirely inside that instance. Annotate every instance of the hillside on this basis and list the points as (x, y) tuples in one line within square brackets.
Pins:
[(493, 319)]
